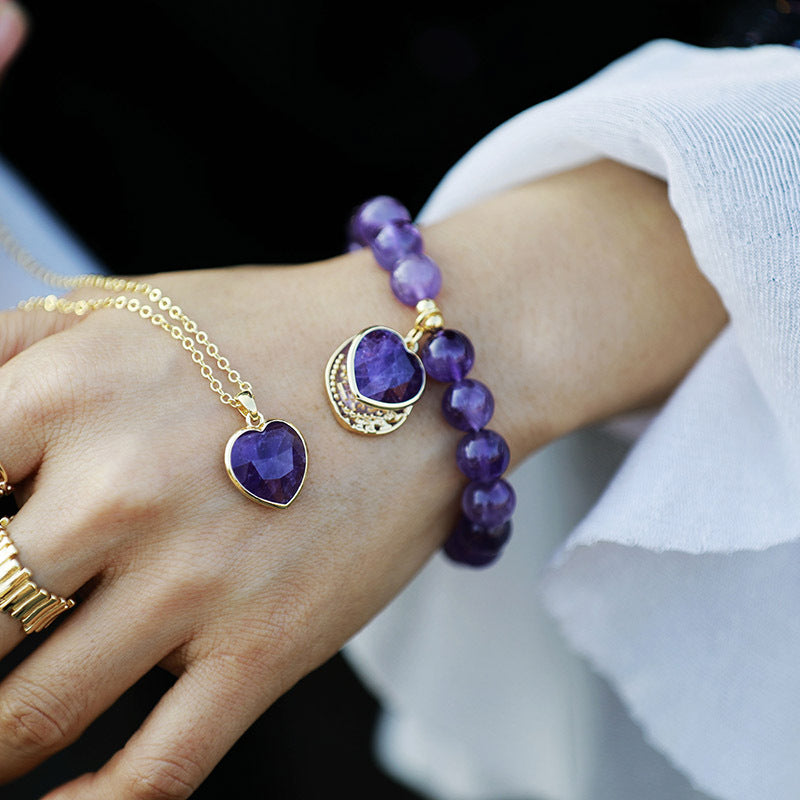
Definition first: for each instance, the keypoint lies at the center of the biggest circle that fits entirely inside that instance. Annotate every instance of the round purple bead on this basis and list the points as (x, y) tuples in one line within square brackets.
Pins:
[(482, 455), (395, 241), (475, 545), (467, 405), (448, 355), (371, 216), (415, 278), (456, 551), (488, 504)]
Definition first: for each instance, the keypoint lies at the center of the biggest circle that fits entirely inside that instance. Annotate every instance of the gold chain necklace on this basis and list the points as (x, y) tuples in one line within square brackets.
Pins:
[(268, 459)]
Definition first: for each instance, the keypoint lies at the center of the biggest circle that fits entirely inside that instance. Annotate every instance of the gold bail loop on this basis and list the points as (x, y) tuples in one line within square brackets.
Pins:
[(246, 405), (429, 318)]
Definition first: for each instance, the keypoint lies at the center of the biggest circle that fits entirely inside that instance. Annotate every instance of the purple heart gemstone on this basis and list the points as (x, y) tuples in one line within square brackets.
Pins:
[(384, 370), (269, 464)]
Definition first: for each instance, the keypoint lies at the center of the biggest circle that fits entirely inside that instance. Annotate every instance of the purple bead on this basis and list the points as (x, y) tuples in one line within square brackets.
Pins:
[(467, 405), (371, 216), (415, 278), (269, 464), (395, 241), (448, 355), (475, 545), (482, 455), (384, 369), (488, 504)]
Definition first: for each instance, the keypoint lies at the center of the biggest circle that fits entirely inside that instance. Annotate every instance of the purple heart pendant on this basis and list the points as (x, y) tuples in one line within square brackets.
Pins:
[(269, 463), (373, 381), (383, 371)]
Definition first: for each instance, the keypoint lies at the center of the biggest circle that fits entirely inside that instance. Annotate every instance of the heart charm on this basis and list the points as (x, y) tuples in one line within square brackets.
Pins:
[(373, 380), (384, 372), (269, 463)]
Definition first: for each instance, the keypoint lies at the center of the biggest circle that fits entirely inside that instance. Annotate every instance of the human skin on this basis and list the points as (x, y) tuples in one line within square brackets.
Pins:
[(13, 27), (582, 299)]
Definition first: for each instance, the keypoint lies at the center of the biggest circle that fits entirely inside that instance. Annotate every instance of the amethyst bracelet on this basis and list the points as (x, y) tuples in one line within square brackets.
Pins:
[(447, 355)]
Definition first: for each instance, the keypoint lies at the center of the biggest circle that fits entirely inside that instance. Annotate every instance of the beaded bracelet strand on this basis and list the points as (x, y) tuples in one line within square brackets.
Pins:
[(447, 355)]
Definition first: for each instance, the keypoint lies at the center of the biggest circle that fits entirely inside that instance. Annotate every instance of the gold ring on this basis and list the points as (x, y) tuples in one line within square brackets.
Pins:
[(5, 487), (20, 596)]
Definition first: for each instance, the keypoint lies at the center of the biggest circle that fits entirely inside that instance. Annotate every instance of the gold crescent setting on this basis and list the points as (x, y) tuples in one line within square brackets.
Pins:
[(353, 410)]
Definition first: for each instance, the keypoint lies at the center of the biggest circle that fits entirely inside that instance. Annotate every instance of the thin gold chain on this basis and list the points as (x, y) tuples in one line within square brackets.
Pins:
[(163, 313)]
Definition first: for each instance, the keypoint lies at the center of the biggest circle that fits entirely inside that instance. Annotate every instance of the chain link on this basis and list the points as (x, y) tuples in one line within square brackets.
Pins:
[(155, 307)]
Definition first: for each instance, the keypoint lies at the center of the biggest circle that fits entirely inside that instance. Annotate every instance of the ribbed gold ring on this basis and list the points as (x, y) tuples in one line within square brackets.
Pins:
[(5, 486), (20, 596)]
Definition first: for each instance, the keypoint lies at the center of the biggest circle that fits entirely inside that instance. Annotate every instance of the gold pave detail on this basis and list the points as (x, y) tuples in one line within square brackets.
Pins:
[(352, 413)]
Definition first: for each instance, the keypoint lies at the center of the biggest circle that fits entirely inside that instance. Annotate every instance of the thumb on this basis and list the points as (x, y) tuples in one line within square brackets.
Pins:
[(13, 27), (20, 329)]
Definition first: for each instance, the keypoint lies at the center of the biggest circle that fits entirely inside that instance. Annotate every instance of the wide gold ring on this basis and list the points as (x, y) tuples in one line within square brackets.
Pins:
[(20, 596)]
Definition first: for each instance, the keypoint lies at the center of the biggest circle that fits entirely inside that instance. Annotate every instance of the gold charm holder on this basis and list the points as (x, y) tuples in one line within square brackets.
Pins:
[(353, 411), (361, 414)]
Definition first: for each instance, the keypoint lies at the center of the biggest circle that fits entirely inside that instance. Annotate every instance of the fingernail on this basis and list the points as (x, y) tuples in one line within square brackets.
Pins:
[(12, 30)]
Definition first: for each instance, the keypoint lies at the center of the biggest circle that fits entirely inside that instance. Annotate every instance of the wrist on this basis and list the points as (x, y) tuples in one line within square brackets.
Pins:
[(581, 295)]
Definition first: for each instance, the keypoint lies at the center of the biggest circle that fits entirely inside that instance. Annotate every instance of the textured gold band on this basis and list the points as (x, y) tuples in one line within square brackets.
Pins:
[(20, 596)]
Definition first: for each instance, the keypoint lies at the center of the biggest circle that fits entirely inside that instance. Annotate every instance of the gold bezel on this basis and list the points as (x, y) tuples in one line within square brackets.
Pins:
[(351, 412), (235, 480), (368, 401)]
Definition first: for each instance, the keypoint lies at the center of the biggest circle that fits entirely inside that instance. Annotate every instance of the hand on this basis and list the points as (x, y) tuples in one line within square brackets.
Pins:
[(116, 443)]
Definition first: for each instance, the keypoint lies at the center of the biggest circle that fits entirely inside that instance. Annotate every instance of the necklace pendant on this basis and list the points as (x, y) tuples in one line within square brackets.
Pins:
[(267, 461), (373, 380)]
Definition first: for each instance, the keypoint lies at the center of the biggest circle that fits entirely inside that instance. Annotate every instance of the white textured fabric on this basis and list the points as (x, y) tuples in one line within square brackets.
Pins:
[(681, 584)]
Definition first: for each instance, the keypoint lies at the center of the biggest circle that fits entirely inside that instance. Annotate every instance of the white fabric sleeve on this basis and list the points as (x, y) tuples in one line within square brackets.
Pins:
[(681, 585)]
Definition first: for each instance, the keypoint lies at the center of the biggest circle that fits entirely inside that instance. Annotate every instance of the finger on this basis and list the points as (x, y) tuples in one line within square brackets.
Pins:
[(99, 652), (20, 329), (35, 390), (181, 741), (45, 542), (13, 26)]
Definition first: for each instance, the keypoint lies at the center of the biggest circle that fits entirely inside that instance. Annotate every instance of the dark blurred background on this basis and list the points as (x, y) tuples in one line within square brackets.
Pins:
[(189, 134), (174, 134)]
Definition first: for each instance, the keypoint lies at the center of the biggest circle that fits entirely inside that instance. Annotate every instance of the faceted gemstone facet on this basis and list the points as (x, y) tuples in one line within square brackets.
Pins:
[(467, 405), (271, 463), (448, 355), (384, 370), (482, 455)]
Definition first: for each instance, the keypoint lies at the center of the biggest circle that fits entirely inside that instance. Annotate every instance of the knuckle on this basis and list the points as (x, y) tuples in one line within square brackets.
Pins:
[(39, 388), (162, 777), (32, 717)]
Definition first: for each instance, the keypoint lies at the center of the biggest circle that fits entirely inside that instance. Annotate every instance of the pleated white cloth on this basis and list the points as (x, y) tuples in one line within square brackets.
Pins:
[(680, 585)]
